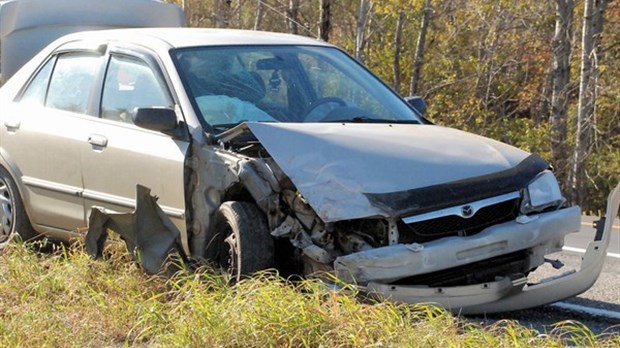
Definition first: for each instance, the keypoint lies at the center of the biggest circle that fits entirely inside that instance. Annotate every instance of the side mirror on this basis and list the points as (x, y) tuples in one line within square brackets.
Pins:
[(158, 119), (417, 103)]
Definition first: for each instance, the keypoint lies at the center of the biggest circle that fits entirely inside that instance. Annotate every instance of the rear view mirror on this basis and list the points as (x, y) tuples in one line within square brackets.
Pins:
[(157, 119), (417, 103)]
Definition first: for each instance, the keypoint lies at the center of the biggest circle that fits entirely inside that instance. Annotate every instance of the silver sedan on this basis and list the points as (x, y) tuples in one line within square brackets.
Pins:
[(271, 150)]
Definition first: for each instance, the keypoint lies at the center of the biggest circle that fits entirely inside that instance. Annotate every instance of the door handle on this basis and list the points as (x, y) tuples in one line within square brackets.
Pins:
[(12, 124), (98, 140)]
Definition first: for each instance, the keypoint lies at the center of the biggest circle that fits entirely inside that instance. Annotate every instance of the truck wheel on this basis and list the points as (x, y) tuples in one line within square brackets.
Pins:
[(13, 218), (246, 245)]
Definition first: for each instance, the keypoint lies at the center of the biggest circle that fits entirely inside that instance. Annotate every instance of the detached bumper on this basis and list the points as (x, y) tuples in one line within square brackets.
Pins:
[(506, 294)]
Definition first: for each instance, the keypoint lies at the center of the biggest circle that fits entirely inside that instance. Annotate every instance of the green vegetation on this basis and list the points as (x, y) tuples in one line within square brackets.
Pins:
[(65, 299)]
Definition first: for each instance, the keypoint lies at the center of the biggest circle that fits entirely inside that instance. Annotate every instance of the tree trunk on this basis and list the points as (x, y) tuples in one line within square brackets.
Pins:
[(222, 13), (562, 42), (325, 20), (418, 60), (360, 30), (291, 16), (592, 29), (397, 49), (260, 11), (239, 12)]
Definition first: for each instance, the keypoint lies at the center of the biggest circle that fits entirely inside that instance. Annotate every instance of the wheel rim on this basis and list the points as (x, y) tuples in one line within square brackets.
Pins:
[(6, 210), (231, 241), (228, 254)]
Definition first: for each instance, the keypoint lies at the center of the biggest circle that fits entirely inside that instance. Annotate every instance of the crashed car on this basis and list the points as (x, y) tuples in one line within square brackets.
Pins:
[(272, 150)]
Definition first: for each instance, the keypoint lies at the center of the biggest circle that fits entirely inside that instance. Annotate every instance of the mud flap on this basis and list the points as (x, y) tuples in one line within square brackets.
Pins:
[(149, 234)]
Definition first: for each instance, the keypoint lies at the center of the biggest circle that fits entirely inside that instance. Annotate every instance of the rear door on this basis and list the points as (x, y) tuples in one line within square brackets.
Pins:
[(43, 131), (122, 155)]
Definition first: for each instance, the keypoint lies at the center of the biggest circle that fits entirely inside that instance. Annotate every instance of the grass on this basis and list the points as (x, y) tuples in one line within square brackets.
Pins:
[(63, 298)]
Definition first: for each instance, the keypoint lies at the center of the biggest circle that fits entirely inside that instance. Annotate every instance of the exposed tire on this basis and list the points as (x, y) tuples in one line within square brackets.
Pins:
[(13, 217), (246, 246)]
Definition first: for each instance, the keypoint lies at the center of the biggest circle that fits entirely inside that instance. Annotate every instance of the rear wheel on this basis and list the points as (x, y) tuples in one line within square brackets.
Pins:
[(246, 246), (13, 218)]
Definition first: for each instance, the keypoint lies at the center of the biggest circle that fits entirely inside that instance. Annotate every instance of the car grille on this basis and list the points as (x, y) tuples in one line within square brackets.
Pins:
[(453, 225)]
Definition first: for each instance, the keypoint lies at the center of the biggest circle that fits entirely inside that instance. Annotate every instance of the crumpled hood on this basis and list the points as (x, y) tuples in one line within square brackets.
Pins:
[(334, 165)]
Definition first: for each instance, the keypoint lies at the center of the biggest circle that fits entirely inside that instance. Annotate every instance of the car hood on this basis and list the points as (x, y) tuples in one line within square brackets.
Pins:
[(336, 165)]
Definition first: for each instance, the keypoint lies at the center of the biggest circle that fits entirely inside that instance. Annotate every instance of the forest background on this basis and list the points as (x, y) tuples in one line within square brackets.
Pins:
[(541, 75)]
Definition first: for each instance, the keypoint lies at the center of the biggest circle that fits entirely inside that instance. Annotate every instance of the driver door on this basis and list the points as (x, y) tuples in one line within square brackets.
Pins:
[(122, 155)]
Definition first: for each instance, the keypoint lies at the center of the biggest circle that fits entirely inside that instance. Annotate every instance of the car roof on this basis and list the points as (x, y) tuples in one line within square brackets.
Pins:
[(192, 37)]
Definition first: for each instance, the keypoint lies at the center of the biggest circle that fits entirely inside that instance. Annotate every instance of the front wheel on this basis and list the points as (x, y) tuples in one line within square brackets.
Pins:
[(246, 246), (13, 217)]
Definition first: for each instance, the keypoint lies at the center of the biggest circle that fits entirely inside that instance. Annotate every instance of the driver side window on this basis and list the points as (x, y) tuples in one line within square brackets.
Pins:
[(130, 84)]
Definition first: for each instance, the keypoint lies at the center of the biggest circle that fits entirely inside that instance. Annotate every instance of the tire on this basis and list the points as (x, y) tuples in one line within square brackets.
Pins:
[(13, 217), (245, 244)]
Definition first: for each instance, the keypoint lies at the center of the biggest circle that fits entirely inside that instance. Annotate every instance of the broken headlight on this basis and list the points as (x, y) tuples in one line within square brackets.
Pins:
[(542, 193)]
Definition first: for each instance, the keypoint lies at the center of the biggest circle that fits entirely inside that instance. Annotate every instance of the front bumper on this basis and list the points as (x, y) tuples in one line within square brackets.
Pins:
[(502, 295), (545, 233)]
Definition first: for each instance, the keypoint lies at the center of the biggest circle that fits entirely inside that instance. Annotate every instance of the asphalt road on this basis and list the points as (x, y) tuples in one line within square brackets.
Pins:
[(598, 308), (580, 240)]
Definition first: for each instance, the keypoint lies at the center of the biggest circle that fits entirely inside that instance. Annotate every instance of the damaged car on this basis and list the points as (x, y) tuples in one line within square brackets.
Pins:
[(271, 150)]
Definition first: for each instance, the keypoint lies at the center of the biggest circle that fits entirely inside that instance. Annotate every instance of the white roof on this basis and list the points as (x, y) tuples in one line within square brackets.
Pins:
[(191, 37)]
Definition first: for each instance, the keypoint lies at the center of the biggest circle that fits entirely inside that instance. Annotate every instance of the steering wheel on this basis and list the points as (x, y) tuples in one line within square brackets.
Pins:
[(315, 104)]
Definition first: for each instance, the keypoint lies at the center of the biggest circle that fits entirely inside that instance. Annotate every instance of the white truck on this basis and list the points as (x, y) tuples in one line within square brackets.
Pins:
[(26, 27)]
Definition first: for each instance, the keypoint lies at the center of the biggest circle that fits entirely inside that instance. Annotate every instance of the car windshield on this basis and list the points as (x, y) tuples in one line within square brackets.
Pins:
[(233, 84)]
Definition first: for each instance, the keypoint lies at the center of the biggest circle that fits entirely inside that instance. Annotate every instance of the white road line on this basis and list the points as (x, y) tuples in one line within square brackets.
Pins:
[(588, 310), (591, 224), (583, 251)]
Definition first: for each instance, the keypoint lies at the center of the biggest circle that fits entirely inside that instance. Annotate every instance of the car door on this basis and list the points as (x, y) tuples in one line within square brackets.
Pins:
[(123, 155), (43, 132)]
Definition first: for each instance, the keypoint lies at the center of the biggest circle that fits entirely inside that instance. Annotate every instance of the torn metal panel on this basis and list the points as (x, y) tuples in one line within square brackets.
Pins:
[(335, 165), (391, 263), (148, 232)]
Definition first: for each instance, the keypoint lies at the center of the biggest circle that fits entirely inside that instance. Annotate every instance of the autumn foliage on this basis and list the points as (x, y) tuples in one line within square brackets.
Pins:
[(487, 66)]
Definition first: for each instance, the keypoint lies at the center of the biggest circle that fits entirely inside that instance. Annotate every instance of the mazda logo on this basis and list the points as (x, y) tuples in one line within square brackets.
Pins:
[(467, 211)]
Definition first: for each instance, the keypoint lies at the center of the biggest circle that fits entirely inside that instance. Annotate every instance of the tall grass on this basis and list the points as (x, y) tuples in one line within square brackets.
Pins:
[(66, 299)]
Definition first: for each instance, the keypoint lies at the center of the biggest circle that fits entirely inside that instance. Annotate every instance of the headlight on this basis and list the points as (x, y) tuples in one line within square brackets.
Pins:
[(543, 192)]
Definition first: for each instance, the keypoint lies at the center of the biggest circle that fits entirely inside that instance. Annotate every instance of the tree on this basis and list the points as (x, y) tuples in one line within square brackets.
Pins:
[(398, 32), (222, 14), (593, 18), (419, 50), (291, 16), (562, 42), (258, 19), (325, 20), (360, 30)]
